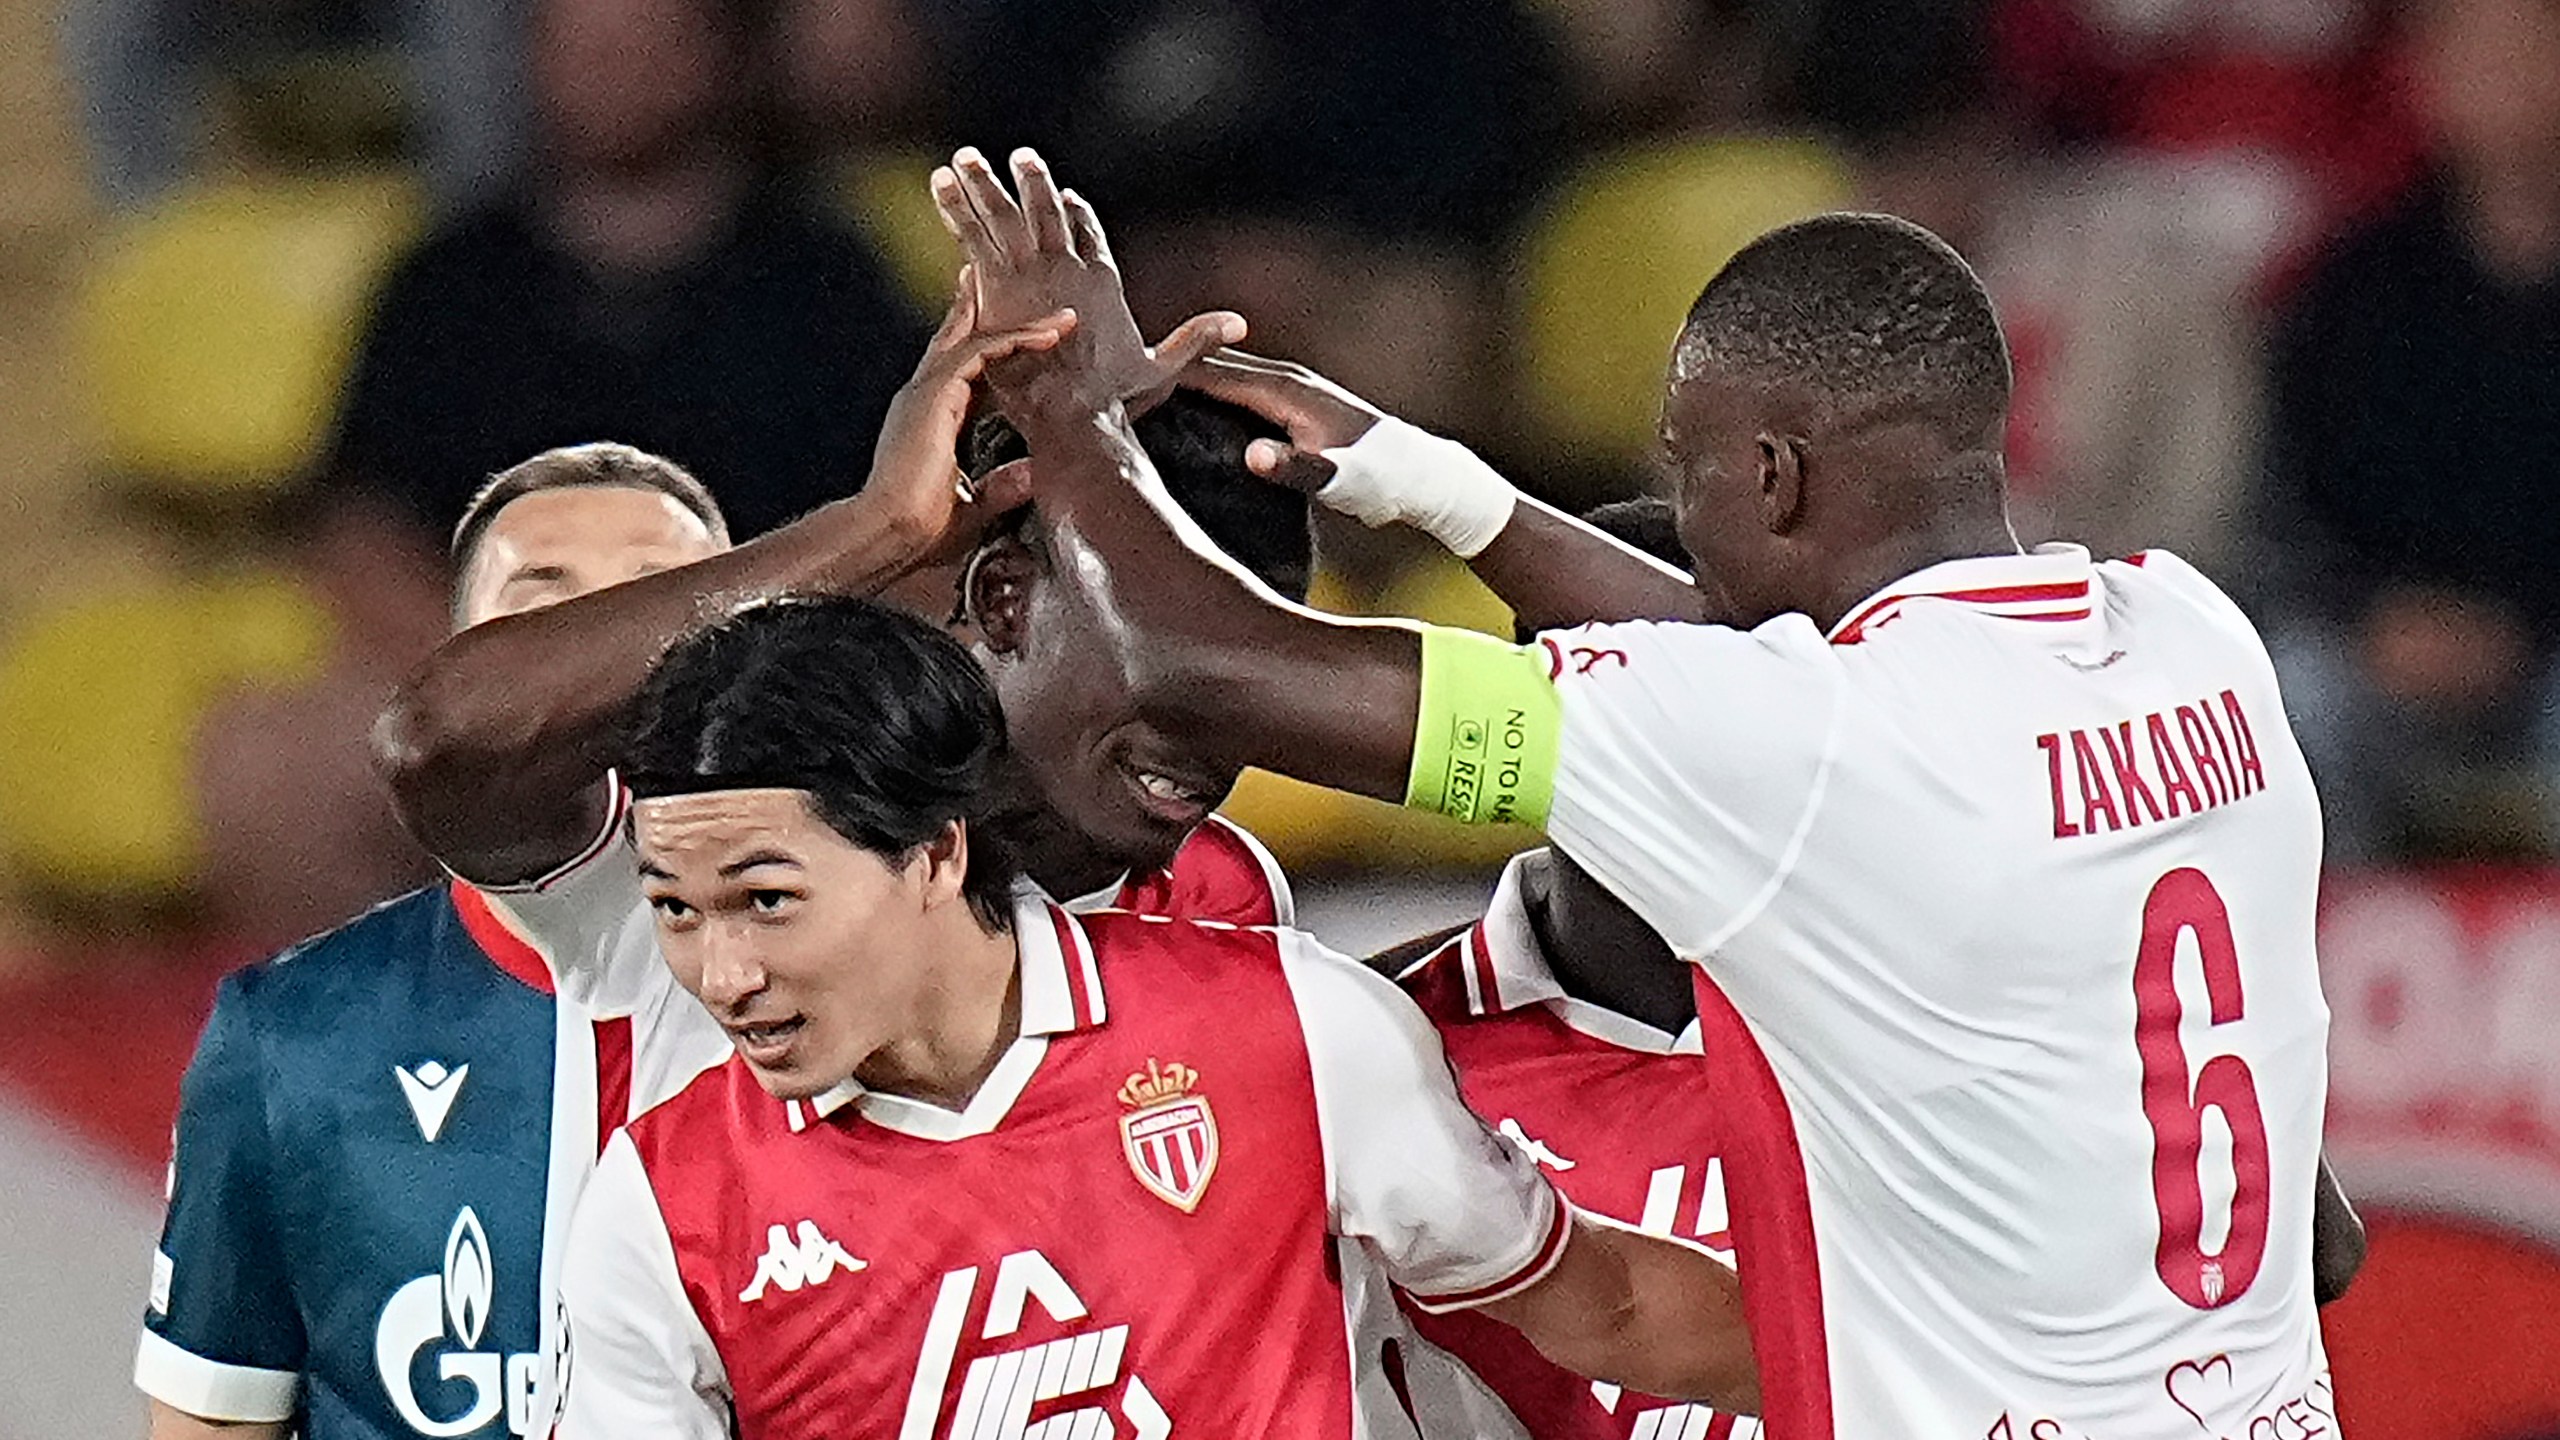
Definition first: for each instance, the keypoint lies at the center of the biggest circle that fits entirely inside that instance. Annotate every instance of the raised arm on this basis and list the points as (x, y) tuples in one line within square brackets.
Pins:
[(1552, 570), (495, 749), (1205, 649)]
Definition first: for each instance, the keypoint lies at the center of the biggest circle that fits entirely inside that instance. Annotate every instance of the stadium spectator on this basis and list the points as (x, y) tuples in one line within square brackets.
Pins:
[(143, 68), (1300, 161), (2417, 411), (650, 282), (298, 833)]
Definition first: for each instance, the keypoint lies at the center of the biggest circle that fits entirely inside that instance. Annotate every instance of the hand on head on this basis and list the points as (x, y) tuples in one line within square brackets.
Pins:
[(915, 464), (1317, 414), (1044, 252)]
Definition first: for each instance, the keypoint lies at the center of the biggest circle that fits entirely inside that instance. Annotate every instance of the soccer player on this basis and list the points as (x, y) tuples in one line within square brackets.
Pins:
[(382, 1127), (985, 1167), (519, 718), (1571, 1028), (1998, 868)]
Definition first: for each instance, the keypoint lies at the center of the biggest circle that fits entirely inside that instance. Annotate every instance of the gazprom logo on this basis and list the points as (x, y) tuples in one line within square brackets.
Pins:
[(471, 1387), (468, 1279)]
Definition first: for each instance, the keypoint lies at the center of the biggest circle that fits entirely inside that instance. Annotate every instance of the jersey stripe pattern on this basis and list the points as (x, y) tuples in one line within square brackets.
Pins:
[(1132, 1224), (1624, 1120)]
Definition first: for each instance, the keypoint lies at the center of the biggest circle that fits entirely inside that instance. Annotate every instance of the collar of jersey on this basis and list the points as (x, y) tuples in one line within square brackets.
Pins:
[(2053, 583), (1505, 969), (1061, 993)]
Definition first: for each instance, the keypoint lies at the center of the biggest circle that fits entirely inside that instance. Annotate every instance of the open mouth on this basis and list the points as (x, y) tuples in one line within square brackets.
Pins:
[(767, 1043), (1168, 784), (1176, 799)]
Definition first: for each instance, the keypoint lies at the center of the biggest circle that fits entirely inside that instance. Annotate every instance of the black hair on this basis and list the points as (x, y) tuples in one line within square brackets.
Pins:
[(1648, 522), (570, 467), (886, 723), (1872, 313), (1197, 444)]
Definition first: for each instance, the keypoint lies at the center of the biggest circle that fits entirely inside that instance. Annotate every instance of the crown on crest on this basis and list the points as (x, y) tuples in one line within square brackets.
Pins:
[(1157, 1084)]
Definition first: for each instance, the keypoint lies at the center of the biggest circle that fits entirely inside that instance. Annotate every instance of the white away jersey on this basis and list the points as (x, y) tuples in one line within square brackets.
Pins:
[(2002, 893)]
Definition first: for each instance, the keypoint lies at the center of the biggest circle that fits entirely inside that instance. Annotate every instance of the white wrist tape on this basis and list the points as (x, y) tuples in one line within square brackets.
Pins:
[(1400, 474)]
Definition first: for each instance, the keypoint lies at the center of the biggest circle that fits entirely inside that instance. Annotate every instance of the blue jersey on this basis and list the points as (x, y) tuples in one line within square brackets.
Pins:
[(377, 1137)]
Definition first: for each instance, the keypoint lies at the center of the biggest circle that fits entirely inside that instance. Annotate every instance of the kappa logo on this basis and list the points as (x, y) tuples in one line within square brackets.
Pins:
[(1001, 1393), (792, 1261), (1170, 1135), (1535, 1149), (431, 1090)]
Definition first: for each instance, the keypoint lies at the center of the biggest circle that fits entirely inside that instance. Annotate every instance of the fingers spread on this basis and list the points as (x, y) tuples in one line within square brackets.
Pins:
[(996, 212), (961, 218), (1044, 214), (1085, 228)]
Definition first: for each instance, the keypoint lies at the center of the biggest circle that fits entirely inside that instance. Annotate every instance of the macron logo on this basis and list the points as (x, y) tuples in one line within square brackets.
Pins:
[(788, 1263), (431, 1089)]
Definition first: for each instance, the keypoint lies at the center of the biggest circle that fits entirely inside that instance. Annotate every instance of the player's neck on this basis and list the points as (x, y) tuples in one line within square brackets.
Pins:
[(1863, 570), (961, 1025)]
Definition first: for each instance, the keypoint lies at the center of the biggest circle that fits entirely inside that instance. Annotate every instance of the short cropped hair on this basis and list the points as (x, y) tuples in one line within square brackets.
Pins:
[(1648, 522), (570, 467), (1198, 444), (1870, 312), (887, 724)]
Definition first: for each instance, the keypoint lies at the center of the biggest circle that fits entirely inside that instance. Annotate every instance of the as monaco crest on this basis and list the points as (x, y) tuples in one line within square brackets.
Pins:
[(1169, 1135)]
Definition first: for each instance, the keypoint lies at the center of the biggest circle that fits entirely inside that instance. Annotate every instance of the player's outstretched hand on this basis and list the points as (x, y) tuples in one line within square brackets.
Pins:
[(1318, 414), (911, 465), (1037, 249)]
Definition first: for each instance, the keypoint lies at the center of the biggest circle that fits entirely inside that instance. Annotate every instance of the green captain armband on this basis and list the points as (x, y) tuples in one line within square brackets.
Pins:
[(1484, 745)]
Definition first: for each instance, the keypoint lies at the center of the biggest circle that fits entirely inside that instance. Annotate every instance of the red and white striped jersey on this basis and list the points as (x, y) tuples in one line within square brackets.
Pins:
[(587, 927), (2001, 895), (589, 924), (1220, 873), (1621, 1116), (1129, 1227)]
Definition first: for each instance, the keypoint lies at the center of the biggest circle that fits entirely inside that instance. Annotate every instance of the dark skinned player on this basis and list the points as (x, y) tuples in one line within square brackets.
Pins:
[(498, 749), (2022, 1048)]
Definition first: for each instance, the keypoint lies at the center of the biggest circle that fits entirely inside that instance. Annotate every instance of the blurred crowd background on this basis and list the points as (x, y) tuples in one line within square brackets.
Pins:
[(282, 280)]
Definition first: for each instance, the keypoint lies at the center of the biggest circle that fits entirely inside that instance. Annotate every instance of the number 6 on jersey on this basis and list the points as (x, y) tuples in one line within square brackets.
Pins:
[(2185, 901)]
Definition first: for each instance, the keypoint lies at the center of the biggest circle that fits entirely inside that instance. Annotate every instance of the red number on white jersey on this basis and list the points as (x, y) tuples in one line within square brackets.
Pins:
[(2184, 902)]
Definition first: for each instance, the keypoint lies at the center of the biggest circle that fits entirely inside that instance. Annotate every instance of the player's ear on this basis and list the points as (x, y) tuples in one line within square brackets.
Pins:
[(1780, 459), (997, 593), (941, 864)]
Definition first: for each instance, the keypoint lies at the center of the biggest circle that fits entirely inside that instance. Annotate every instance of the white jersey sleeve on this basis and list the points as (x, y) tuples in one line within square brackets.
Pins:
[(591, 924), (1455, 1217), (640, 1362), (1691, 764)]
